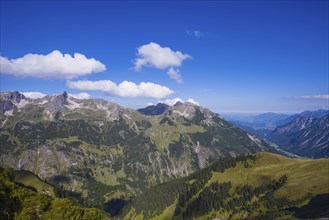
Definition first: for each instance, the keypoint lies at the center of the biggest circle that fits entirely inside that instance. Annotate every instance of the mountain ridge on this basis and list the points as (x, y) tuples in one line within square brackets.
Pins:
[(257, 186), (306, 135), (102, 151)]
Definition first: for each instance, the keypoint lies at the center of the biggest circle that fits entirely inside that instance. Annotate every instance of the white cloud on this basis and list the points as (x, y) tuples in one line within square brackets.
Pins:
[(315, 97), (34, 95), (149, 103), (174, 74), (193, 101), (195, 33), (124, 89), (54, 65), (82, 95), (153, 55), (172, 102)]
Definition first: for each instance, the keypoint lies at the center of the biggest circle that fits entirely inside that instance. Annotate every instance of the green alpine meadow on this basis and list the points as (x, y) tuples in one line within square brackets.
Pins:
[(164, 110)]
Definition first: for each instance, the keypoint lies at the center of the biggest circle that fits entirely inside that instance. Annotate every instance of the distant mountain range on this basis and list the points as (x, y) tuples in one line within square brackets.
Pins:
[(95, 150), (267, 121), (305, 134)]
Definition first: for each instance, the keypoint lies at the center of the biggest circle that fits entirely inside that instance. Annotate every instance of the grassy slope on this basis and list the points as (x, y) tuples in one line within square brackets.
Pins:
[(304, 176), (164, 134), (20, 202), (29, 179)]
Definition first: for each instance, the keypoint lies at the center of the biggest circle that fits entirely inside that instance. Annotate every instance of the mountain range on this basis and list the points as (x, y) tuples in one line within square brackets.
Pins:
[(268, 121), (97, 151), (305, 134), (159, 162)]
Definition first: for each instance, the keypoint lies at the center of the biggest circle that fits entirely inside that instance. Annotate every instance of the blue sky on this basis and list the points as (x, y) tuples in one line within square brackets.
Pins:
[(231, 56)]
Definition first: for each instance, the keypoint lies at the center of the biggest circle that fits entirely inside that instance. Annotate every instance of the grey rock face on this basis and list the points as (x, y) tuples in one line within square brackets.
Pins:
[(58, 103), (6, 105), (9, 99)]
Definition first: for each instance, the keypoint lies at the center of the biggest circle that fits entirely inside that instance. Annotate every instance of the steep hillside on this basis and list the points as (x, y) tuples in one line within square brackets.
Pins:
[(305, 136), (17, 201), (97, 150), (259, 186), (28, 179)]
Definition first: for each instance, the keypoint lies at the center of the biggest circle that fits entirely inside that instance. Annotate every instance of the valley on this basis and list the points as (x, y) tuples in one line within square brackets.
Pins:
[(300, 135)]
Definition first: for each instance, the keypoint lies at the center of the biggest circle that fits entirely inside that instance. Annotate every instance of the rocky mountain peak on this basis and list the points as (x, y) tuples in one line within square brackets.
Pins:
[(58, 103), (10, 101), (12, 96), (158, 109), (178, 103), (17, 96), (64, 94), (62, 99)]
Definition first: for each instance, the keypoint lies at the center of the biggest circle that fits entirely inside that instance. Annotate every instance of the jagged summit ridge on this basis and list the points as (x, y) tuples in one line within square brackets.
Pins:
[(58, 103), (12, 100), (52, 104), (158, 109)]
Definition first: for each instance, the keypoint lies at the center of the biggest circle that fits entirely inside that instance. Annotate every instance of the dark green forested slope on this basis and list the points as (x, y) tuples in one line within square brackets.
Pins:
[(259, 186), (20, 202)]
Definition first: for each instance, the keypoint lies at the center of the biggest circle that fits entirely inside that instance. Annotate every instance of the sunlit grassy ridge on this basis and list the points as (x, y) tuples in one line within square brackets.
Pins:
[(304, 176), (262, 186)]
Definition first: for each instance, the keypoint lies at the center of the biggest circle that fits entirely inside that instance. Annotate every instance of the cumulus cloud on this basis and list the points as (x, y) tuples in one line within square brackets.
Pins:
[(153, 55), (34, 95), (174, 74), (82, 95), (54, 65), (193, 101), (173, 101), (195, 33), (149, 103), (315, 97), (124, 89)]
